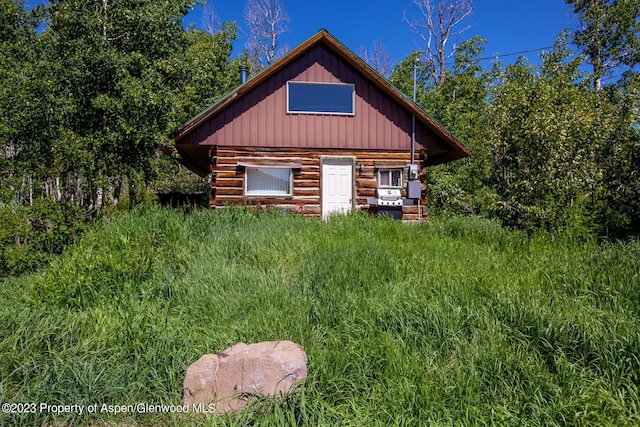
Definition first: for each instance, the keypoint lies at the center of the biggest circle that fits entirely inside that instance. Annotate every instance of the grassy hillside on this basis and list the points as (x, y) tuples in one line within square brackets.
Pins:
[(457, 322)]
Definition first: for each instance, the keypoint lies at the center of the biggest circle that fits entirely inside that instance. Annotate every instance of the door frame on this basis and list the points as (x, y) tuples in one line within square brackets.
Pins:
[(346, 160)]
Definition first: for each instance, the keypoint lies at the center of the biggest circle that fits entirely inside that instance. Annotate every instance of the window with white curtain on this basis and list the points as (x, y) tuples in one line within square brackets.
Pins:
[(268, 181)]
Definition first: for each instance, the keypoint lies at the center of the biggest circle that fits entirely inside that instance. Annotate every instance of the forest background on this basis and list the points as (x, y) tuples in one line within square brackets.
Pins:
[(91, 90)]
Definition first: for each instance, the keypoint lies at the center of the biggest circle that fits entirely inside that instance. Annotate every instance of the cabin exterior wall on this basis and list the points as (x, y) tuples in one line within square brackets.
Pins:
[(228, 177)]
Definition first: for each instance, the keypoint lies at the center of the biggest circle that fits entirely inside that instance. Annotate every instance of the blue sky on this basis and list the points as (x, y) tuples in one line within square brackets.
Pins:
[(508, 25)]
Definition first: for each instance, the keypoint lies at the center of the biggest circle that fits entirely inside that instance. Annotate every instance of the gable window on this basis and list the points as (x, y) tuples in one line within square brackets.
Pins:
[(320, 98), (390, 178), (268, 181)]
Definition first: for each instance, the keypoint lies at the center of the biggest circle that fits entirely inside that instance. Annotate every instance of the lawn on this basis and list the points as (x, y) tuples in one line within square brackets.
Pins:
[(455, 322)]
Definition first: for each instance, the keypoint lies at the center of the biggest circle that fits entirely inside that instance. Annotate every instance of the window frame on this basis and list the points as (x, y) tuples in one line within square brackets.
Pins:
[(329, 113), (246, 192), (390, 171)]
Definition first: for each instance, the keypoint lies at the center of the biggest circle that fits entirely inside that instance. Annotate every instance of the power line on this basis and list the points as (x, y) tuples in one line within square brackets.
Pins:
[(515, 53), (504, 55)]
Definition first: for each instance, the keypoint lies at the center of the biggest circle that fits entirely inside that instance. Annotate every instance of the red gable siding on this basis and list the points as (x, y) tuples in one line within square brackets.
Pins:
[(259, 117)]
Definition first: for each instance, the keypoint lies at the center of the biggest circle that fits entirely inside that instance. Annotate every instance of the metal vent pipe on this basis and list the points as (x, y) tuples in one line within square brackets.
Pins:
[(244, 71)]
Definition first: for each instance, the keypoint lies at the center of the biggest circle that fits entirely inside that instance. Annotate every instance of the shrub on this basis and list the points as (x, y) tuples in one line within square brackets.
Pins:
[(29, 235)]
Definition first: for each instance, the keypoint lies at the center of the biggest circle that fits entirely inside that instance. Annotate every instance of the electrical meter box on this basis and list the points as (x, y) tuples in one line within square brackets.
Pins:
[(413, 172), (414, 190)]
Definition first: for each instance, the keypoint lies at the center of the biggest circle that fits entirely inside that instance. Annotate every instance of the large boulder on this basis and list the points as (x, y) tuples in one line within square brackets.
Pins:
[(230, 378)]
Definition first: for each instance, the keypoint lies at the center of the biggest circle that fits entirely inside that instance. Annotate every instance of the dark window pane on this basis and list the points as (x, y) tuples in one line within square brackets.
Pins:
[(320, 98), (396, 180), (390, 178), (384, 178)]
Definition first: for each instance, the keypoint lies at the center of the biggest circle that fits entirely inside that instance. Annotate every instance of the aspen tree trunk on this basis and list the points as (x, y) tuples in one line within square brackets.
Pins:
[(57, 189), (98, 198), (117, 190)]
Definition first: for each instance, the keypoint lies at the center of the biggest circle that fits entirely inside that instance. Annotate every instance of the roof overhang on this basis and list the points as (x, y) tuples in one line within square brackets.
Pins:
[(192, 156)]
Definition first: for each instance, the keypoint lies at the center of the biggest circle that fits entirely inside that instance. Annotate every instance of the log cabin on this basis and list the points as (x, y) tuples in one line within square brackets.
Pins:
[(317, 132)]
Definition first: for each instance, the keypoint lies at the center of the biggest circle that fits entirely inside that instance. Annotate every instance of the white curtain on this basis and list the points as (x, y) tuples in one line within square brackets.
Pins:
[(268, 181)]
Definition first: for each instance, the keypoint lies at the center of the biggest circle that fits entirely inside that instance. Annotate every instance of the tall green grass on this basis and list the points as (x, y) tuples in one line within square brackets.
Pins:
[(456, 322)]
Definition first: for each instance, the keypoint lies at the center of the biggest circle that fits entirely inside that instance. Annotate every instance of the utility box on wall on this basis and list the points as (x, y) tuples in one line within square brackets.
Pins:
[(413, 172), (414, 190)]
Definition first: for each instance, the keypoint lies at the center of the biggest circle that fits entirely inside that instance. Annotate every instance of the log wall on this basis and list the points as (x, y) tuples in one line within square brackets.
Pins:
[(227, 177)]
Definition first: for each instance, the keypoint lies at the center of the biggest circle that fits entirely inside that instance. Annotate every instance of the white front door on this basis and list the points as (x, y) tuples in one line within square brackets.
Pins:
[(337, 186)]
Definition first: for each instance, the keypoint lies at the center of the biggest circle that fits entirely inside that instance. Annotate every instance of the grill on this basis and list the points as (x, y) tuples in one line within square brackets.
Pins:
[(389, 201), (389, 197)]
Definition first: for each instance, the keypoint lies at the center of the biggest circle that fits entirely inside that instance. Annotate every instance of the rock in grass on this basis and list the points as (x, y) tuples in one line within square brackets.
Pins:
[(232, 377)]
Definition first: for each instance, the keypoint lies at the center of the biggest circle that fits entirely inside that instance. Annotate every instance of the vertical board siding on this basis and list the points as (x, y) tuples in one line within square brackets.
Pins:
[(259, 118)]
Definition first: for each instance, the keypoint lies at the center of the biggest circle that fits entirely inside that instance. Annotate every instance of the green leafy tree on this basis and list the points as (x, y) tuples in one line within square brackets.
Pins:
[(207, 73), (609, 34), (620, 157), (19, 100), (116, 66), (402, 76), (459, 103), (210, 72), (545, 136), (86, 103)]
